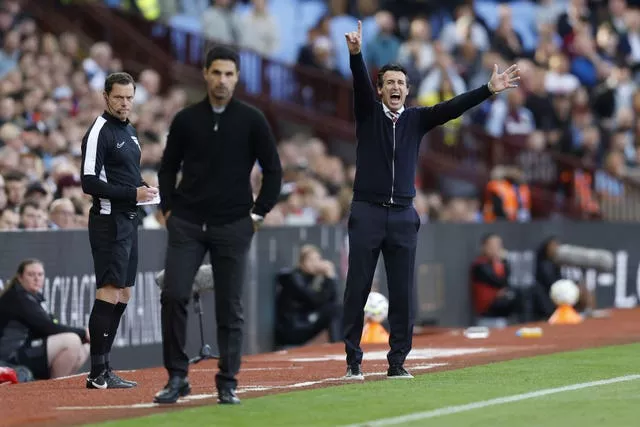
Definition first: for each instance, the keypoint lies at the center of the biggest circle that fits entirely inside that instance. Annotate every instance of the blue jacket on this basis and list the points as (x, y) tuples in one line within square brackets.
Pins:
[(387, 153)]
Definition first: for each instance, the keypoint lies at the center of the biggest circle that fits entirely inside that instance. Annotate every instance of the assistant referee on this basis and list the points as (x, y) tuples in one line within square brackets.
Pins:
[(111, 174)]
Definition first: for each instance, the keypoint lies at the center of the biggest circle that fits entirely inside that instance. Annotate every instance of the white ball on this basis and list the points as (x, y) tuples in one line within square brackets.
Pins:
[(377, 307), (564, 292)]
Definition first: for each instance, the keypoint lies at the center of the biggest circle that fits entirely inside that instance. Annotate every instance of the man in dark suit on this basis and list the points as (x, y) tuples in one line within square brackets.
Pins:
[(382, 215)]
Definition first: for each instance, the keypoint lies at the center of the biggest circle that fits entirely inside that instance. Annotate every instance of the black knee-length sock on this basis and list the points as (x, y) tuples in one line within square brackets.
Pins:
[(116, 315), (100, 331)]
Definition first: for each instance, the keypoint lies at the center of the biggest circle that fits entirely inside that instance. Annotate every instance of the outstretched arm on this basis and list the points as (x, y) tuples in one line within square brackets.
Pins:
[(363, 93), (441, 113)]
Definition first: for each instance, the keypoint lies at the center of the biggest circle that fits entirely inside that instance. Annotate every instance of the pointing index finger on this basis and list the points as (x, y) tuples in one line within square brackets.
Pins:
[(359, 27)]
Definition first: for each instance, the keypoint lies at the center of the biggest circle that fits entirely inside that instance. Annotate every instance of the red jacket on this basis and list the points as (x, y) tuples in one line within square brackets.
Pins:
[(488, 277)]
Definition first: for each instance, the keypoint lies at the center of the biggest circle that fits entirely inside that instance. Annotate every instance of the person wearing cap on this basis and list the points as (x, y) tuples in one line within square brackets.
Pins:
[(110, 173)]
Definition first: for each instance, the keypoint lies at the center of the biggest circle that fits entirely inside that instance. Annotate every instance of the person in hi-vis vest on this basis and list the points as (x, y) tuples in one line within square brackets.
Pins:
[(507, 197)]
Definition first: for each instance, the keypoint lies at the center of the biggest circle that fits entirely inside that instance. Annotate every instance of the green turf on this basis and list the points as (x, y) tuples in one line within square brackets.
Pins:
[(606, 405)]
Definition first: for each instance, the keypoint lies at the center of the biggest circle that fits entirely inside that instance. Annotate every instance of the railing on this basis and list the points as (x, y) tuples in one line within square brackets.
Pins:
[(471, 154), (320, 101)]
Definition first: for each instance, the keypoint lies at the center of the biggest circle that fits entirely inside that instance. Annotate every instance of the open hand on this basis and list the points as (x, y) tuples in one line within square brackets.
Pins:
[(354, 40), (503, 81)]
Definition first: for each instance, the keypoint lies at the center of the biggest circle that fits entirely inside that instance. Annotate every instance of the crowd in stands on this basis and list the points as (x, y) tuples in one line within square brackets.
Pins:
[(578, 97)]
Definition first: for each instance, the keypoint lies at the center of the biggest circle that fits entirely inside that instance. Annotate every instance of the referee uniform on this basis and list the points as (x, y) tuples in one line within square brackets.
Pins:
[(111, 174)]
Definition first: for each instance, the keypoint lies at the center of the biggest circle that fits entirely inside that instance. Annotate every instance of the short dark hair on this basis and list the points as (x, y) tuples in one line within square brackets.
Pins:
[(221, 53), (488, 236), (391, 67), (118, 79)]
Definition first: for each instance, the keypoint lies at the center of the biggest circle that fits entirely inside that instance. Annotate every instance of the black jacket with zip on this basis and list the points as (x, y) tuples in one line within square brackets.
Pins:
[(217, 153), (387, 153)]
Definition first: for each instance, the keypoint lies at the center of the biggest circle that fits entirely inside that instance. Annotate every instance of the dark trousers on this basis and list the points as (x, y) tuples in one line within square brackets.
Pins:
[(298, 329), (392, 231), (228, 246)]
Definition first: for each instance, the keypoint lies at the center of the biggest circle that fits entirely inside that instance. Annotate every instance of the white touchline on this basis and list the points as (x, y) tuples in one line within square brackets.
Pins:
[(288, 368), (245, 389), (448, 410)]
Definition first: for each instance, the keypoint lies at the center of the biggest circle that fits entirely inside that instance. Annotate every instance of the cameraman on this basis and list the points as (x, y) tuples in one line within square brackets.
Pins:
[(306, 302)]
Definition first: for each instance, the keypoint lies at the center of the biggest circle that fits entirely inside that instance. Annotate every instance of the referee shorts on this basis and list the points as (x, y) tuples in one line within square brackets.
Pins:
[(114, 246)]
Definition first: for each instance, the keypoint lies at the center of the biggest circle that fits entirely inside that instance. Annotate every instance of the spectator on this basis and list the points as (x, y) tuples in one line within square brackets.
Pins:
[(510, 117), (417, 53), (492, 295), (465, 27), (507, 197), (307, 300), (506, 41), (608, 182), (98, 65), (30, 336), (62, 214), (220, 23), (148, 86), (384, 47), (260, 30), (32, 217), (16, 187), (9, 220)]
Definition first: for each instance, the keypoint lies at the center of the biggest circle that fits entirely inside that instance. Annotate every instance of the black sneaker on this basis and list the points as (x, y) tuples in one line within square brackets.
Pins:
[(113, 378), (398, 372), (354, 373), (228, 396), (176, 388), (98, 382)]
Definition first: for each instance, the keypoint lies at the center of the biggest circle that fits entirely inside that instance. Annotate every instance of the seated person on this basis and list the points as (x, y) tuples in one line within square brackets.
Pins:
[(492, 296), (31, 337), (549, 271), (307, 300)]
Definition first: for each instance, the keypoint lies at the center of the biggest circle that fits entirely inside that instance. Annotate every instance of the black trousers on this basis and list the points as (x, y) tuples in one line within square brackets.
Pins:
[(392, 231), (228, 246), (297, 329)]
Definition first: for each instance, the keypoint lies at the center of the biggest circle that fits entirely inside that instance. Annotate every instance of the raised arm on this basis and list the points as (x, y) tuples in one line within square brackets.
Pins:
[(363, 92), (441, 113)]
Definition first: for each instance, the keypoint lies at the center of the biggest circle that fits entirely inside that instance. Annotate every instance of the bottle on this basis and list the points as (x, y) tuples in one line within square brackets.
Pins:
[(529, 332)]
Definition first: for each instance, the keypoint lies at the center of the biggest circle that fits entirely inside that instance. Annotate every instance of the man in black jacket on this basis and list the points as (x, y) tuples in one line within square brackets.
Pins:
[(217, 141), (382, 217)]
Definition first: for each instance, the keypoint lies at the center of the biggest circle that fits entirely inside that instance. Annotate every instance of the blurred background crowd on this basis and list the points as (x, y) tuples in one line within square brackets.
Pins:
[(579, 62)]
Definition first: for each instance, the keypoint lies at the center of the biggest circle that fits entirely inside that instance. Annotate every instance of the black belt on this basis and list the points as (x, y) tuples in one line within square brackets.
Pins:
[(392, 205)]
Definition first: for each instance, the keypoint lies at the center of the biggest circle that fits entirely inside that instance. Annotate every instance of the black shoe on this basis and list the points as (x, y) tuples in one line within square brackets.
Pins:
[(176, 387), (397, 371), (227, 396), (112, 377), (354, 373), (97, 382)]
